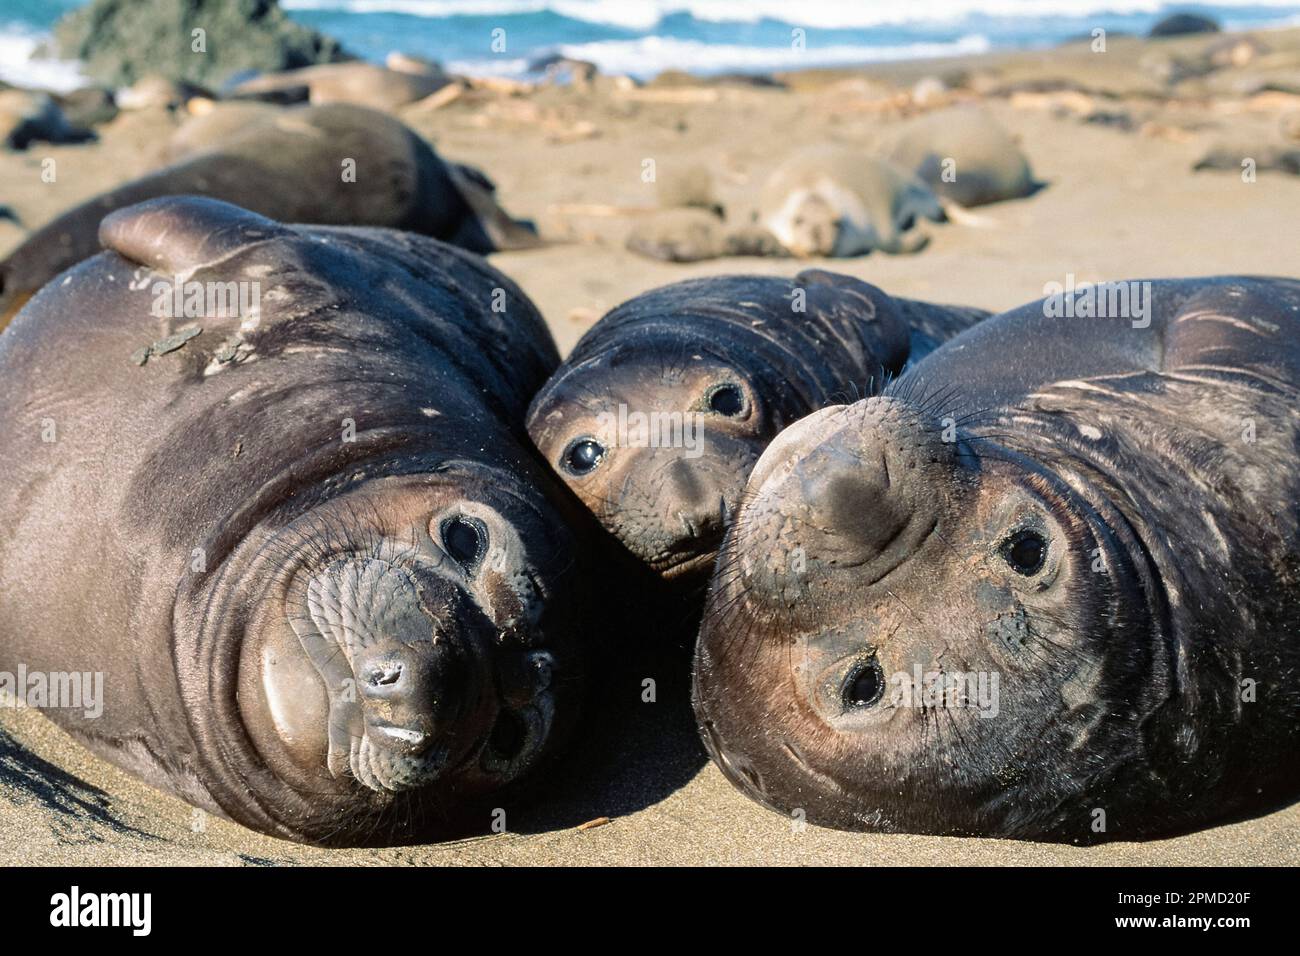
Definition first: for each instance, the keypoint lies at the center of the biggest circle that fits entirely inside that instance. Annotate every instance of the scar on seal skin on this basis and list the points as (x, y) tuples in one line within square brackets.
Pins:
[(714, 369), (1046, 587), (335, 596)]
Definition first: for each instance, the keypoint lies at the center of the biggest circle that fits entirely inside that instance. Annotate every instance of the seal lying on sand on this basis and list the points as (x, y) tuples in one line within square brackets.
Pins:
[(358, 83), (292, 167), (964, 155), (834, 201), (664, 405), (329, 586), (1046, 587)]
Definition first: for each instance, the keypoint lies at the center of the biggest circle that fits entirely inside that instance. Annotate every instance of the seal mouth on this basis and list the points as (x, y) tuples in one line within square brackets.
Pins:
[(698, 560), (382, 768)]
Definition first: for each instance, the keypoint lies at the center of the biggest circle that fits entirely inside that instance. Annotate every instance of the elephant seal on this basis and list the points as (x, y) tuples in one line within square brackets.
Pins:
[(965, 156), (662, 408), (291, 167), (1046, 587), (330, 588), (836, 202), (357, 82)]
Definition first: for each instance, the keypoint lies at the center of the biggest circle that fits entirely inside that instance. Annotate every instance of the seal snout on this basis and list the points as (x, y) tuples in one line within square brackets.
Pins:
[(411, 694), (851, 487)]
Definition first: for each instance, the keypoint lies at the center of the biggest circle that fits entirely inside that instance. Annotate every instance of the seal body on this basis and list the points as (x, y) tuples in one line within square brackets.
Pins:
[(1045, 587), (964, 155), (835, 201), (329, 587), (657, 416), (294, 167)]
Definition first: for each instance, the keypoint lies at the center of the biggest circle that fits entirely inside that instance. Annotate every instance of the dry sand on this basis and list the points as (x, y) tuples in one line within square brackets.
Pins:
[(1118, 203)]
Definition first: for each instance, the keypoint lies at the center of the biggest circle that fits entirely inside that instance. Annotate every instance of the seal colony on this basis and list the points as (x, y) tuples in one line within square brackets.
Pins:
[(332, 592), (398, 182), (1035, 590), (657, 416)]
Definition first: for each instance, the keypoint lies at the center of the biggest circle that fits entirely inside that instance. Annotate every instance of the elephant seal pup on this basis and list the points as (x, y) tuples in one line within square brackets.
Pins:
[(965, 156), (1059, 603), (835, 202), (293, 167), (664, 405), (329, 587)]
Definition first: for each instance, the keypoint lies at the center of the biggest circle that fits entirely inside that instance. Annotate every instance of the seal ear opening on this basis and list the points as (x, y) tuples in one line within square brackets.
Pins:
[(179, 233)]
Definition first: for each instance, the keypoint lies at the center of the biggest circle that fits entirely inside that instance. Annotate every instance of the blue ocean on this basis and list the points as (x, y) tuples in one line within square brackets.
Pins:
[(645, 37)]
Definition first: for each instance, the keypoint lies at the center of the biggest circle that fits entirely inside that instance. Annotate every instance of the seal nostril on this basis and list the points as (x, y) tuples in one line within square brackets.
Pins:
[(864, 685), (384, 675), (508, 735)]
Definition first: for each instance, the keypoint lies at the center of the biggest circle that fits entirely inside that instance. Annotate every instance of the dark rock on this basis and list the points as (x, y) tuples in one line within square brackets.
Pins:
[(1181, 24), (122, 40)]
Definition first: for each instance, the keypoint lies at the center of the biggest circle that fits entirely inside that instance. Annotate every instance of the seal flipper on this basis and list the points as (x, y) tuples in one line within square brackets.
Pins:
[(176, 234)]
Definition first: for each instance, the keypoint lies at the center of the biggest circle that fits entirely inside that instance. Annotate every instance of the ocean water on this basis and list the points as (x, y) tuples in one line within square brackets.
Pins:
[(645, 37)]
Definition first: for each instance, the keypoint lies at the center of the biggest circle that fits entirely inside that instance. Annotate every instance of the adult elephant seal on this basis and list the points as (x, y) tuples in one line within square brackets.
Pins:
[(293, 166), (965, 156), (1063, 607), (306, 544), (835, 202), (665, 404)]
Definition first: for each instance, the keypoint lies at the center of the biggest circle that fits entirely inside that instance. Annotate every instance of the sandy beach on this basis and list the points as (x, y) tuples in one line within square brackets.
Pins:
[(1112, 143)]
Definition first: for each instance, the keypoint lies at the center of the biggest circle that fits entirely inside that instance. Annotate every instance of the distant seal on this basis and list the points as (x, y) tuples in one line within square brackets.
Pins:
[(964, 155), (291, 168), (662, 408), (332, 592), (357, 82), (1046, 587), (836, 202)]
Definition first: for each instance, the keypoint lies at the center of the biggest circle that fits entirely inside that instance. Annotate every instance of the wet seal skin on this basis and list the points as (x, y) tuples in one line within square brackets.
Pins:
[(1074, 620), (290, 166), (331, 589), (713, 369)]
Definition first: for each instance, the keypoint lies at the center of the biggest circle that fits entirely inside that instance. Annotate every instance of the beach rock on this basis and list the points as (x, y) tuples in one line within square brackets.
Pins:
[(122, 40), (27, 116), (561, 70), (1181, 24)]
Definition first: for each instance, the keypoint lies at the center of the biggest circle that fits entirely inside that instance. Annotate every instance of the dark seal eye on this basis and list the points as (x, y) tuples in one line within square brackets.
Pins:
[(907, 223), (464, 540), (1025, 551), (727, 400), (583, 456), (865, 685)]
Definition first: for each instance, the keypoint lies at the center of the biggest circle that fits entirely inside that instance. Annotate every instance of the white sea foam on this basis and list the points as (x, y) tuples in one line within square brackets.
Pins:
[(817, 14), (17, 66)]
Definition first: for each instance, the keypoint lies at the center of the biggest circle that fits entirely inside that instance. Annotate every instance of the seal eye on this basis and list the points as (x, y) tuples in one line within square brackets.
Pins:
[(865, 685), (727, 400), (907, 222), (464, 540), (583, 455), (1025, 551)]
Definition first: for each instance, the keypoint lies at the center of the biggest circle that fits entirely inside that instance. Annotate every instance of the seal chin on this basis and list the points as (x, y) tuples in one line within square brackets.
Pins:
[(380, 767)]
